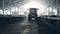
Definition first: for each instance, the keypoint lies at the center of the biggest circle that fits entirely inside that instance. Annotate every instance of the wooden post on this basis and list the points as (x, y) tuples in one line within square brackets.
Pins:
[(57, 14), (3, 7), (58, 17), (18, 7), (48, 8), (15, 7), (10, 6)]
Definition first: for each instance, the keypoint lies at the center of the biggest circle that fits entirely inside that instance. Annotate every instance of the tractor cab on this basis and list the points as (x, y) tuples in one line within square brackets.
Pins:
[(32, 14)]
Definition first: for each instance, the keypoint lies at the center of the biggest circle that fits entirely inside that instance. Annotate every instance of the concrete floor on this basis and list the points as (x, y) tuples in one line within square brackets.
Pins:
[(27, 27), (22, 27)]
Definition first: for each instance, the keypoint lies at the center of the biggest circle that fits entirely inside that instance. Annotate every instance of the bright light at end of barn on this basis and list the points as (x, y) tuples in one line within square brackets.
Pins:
[(34, 4)]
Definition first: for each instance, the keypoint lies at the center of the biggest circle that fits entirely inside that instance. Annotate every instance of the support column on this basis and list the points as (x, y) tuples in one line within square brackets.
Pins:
[(18, 7), (10, 6), (57, 14), (15, 7), (3, 7), (58, 17), (48, 8), (52, 10)]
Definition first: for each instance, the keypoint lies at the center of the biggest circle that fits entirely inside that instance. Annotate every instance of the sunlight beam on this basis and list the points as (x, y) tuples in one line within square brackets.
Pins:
[(34, 4)]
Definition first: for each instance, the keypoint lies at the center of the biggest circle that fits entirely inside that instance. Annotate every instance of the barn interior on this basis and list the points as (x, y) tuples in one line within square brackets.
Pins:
[(14, 17)]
